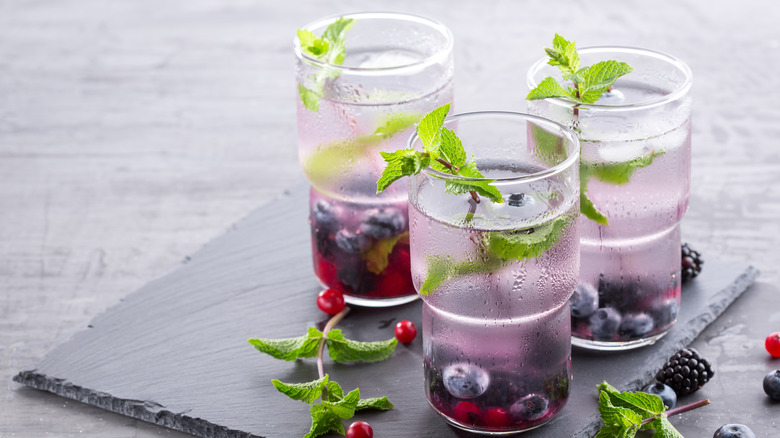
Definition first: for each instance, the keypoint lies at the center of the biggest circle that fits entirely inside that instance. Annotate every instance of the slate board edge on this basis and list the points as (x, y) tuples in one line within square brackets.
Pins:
[(722, 301), (148, 411)]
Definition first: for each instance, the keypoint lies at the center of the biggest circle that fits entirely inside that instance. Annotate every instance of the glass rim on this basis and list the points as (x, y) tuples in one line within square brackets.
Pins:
[(565, 132), (673, 61), (433, 59)]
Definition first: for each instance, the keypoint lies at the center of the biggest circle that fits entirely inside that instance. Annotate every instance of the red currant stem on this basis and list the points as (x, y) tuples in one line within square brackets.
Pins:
[(321, 347), (679, 410)]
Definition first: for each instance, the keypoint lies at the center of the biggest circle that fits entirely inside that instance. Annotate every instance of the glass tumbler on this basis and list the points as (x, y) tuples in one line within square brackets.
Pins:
[(396, 68), (635, 175), (496, 278)]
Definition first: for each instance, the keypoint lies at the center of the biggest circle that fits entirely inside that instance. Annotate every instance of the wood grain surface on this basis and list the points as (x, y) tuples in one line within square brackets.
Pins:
[(133, 132)]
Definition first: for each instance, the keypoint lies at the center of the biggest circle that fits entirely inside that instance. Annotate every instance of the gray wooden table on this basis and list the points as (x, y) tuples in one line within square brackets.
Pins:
[(133, 132)]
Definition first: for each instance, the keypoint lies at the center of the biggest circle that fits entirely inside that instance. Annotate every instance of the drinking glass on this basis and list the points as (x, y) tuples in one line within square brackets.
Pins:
[(496, 278), (635, 170), (397, 68)]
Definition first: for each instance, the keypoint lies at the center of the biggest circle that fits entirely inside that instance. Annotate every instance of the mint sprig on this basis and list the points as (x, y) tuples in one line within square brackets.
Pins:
[(334, 406), (589, 83), (330, 49), (625, 413), (443, 151)]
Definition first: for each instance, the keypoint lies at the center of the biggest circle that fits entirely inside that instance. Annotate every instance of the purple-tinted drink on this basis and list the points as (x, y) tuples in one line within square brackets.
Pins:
[(395, 68), (635, 174), (496, 278)]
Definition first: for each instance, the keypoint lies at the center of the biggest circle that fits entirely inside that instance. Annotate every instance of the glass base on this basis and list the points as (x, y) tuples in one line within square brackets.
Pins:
[(380, 302), (590, 344), (460, 426)]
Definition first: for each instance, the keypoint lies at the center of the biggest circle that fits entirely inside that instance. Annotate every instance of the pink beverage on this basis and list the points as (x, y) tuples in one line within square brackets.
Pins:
[(635, 169), (397, 68), (496, 287)]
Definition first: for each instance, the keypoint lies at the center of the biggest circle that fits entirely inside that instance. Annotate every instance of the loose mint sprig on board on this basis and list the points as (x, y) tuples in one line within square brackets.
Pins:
[(328, 48), (625, 413), (589, 84), (334, 405)]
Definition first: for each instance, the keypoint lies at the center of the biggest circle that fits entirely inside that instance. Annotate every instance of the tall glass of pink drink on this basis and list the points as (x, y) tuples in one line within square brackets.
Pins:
[(496, 278), (635, 169), (397, 67)]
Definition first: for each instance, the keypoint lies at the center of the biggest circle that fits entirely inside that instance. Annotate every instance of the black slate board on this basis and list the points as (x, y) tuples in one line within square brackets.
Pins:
[(174, 353)]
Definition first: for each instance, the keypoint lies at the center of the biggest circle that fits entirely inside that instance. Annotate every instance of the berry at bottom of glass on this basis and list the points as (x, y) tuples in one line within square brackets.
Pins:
[(362, 249)]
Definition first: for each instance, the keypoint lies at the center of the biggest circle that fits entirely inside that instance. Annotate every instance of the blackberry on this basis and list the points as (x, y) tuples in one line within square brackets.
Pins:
[(685, 372), (691, 263)]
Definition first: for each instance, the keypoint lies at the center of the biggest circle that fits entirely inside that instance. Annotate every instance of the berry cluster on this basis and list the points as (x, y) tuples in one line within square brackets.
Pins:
[(691, 262), (686, 372)]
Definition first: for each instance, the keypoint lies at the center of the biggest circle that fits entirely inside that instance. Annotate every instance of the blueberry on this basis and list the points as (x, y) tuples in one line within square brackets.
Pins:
[(351, 242), (349, 273), (324, 214), (383, 223), (734, 431), (772, 385), (585, 301), (665, 313), (666, 393), (465, 381), (504, 389), (604, 324), (517, 200), (530, 407), (636, 325)]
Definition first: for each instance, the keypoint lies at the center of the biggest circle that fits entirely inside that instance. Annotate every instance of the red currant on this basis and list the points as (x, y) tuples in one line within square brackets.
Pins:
[(405, 331), (360, 429), (496, 417), (773, 344), (467, 412), (330, 301)]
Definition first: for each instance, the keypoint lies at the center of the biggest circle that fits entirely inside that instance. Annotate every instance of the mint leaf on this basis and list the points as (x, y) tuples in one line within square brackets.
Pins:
[(664, 429), (323, 421), (549, 87), (618, 173), (335, 393), (306, 392), (345, 408), (564, 55), (438, 274), (587, 208), (401, 163), (451, 148), (617, 416), (526, 244), (329, 49), (344, 350), (469, 170), (395, 123), (441, 270), (598, 78), (290, 348), (624, 413), (615, 431), (381, 403), (548, 147), (429, 129), (377, 257)]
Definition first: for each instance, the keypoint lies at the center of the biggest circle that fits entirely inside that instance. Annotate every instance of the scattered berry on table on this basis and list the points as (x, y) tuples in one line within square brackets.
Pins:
[(636, 324), (383, 223), (604, 324), (685, 372), (691, 263), (467, 412), (773, 344), (496, 418), (734, 431), (330, 301), (360, 429), (585, 301), (405, 331), (772, 385), (666, 393)]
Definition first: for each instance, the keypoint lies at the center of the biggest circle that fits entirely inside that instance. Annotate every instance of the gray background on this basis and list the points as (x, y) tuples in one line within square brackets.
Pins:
[(133, 132)]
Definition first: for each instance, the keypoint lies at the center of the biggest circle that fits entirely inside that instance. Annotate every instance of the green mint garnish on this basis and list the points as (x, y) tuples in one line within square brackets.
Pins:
[(589, 82), (327, 161), (328, 48), (340, 349), (377, 257), (443, 151), (625, 413), (326, 416)]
